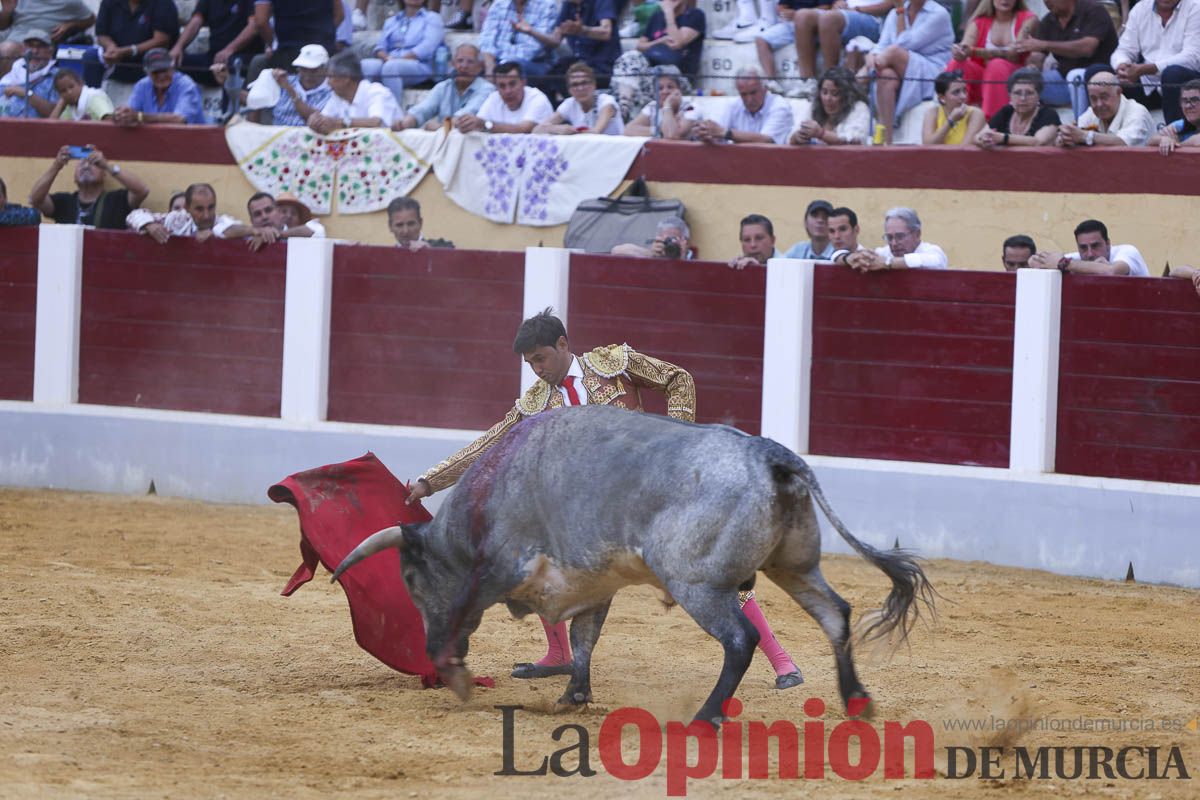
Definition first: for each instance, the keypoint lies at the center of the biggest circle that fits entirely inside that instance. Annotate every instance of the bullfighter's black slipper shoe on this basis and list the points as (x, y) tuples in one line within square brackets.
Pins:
[(528, 670)]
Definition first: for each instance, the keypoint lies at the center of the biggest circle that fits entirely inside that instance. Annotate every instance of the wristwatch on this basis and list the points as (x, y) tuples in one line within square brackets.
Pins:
[(488, 125), (1091, 138), (114, 169), (28, 93), (345, 120)]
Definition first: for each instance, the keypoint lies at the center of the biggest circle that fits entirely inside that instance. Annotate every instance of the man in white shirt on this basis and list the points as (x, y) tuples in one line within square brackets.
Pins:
[(1113, 120), (198, 219), (756, 116), (904, 248), (355, 103), (1096, 255), (843, 230), (512, 108), (1158, 52)]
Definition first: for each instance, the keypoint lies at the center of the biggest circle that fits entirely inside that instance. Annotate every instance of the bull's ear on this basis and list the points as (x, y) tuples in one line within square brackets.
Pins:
[(412, 542)]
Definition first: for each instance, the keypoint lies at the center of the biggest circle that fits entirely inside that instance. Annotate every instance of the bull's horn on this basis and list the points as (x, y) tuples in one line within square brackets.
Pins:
[(380, 540)]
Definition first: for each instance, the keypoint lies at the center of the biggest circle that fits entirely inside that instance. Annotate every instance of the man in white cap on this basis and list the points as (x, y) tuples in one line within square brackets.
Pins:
[(62, 19), (277, 98), (356, 103), (28, 88)]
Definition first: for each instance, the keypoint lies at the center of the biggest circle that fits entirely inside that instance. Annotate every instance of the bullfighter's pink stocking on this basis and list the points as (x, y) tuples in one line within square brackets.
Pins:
[(781, 662), (558, 644)]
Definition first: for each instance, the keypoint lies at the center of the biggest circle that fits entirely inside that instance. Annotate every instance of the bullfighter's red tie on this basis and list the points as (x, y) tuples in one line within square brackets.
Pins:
[(569, 384)]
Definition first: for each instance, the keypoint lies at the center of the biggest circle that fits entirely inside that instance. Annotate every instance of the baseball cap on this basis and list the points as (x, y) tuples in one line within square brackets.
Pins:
[(157, 60), (37, 35), (312, 56), (818, 205)]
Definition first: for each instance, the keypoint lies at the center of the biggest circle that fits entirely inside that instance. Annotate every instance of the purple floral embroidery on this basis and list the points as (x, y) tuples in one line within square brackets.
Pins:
[(546, 166), (501, 162)]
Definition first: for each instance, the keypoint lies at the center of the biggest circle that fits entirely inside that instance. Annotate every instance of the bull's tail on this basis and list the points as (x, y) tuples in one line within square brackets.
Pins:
[(380, 540), (910, 588)]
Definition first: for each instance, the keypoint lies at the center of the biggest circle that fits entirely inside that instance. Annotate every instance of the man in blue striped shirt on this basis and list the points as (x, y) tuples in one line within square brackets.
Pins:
[(461, 94)]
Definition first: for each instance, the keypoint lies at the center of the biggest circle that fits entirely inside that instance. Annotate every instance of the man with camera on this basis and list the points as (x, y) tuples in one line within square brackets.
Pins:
[(89, 204), (670, 241)]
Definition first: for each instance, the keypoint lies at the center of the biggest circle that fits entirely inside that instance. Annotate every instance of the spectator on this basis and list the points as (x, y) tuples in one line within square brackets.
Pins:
[(1181, 132), (904, 248), (1016, 252), (986, 56), (518, 31), (404, 52), (79, 102), (757, 236), (127, 30), (231, 31), (89, 204), (405, 223), (164, 96), (952, 120), (355, 102), (277, 98), (589, 28), (198, 219), (678, 118), (1096, 256), (62, 19), (584, 111), (839, 116), (512, 108), (674, 36), (296, 218), (13, 215), (462, 93), (462, 18), (913, 47), (29, 86), (832, 29), (178, 202), (670, 241), (755, 116), (292, 24), (1113, 120), (1024, 121), (747, 21), (816, 222), (843, 235), (1078, 33), (1159, 51)]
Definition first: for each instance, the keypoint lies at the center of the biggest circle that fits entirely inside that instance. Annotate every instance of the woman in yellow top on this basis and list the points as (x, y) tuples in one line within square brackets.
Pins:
[(952, 120)]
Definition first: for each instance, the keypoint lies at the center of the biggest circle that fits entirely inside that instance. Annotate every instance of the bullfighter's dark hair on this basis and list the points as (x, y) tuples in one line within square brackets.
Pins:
[(757, 219), (1092, 226), (1020, 240), (540, 330), (842, 211), (198, 187)]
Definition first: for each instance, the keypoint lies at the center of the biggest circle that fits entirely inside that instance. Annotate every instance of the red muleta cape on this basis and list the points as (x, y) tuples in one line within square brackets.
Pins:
[(340, 505)]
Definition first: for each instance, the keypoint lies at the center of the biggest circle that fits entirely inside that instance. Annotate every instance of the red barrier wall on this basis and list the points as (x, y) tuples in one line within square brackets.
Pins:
[(913, 365), (192, 326), (1129, 379), (424, 338), (702, 316), (18, 306)]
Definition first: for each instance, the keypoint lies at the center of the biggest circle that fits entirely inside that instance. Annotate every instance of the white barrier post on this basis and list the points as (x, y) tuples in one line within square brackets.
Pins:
[(547, 283), (1036, 332), (59, 295), (787, 352), (308, 298)]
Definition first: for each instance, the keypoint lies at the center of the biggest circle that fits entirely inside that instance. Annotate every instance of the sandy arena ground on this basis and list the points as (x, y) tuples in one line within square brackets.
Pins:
[(147, 653)]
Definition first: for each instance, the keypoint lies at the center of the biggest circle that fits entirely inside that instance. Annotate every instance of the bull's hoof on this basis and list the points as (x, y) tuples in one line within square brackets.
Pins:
[(574, 699), (789, 680), (527, 671)]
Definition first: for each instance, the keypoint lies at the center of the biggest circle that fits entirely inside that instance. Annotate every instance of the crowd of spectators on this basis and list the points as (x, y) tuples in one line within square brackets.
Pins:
[(882, 58)]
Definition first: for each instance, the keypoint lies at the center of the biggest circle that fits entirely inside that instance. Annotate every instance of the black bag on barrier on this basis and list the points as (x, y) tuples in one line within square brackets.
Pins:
[(599, 225)]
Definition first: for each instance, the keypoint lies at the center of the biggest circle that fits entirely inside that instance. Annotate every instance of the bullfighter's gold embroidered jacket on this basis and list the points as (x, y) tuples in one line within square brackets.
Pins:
[(613, 376)]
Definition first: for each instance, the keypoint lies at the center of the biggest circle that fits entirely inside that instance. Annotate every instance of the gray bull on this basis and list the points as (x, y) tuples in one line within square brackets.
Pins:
[(574, 505)]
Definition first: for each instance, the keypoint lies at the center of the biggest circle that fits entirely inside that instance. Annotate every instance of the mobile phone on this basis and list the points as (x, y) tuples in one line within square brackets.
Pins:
[(78, 151)]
